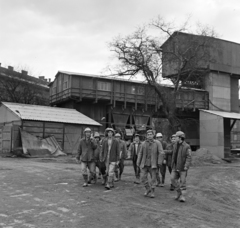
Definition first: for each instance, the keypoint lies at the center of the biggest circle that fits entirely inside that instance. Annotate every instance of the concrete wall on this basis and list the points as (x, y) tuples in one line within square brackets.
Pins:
[(212, 133), (219, 87)]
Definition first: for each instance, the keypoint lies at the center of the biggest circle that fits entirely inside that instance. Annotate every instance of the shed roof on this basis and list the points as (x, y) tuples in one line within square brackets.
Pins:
[(229, 115), (49, 114)]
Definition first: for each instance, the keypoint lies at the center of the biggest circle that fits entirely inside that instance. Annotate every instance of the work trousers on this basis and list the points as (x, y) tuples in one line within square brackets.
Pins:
[(120, 166), (152, 171), (102, 167), (92, 169), (162, 168), (136, 168), (110, 169), (178, 179)]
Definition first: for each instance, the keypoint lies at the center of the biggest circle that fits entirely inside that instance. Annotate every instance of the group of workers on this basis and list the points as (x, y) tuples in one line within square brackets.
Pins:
[(152, 156)]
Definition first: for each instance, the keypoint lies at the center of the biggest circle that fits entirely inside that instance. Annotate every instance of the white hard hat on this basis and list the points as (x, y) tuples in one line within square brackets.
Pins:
[(159, 135), (87, 129)]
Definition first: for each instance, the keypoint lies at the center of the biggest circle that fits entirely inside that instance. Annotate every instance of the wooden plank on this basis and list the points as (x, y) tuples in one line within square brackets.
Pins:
[(57, 136), (32, 124), (53, 125), (75, 129), (53, 131), (33, 129)]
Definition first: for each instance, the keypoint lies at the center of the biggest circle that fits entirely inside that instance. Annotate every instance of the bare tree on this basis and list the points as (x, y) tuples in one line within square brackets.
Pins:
[(185, 57)]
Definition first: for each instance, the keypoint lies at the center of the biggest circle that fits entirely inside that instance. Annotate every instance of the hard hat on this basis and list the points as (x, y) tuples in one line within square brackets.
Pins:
[(110, 129), (150, 131), (117, 135), (96, 135), (174, 135), (180, 134), (87, 129), (136, 135), (159, 135)]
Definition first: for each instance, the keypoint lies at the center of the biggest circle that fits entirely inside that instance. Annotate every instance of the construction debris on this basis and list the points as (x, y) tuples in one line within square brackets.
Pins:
[(37, 146)]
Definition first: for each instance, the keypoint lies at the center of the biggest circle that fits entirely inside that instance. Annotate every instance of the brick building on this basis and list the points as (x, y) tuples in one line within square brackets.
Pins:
[(20, 87)]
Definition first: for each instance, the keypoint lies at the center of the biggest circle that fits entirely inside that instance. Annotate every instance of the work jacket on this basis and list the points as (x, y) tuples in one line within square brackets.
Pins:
[(97, 151), (123, 150), (183, 156), (155, 148), (133, 152), (114, 151), (86, 150), (162, 155), (168, 154)]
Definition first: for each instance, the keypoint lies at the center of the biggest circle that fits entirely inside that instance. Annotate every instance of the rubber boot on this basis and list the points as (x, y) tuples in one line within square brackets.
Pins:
[(172, 188), (182, 198), (152, 193), (111, 182), (117, 176), (137, 181), (179, 193), (94, 179), (148, 190), (85, 177), (90, 178), (104, 180), (107, 186)]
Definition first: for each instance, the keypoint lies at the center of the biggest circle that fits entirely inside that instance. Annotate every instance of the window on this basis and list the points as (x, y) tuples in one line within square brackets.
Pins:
[(105, 86), (235, 137), (137, 90), (65, 82)]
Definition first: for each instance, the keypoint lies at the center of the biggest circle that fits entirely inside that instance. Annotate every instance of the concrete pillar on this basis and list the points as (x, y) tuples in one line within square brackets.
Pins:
[(234, 95)]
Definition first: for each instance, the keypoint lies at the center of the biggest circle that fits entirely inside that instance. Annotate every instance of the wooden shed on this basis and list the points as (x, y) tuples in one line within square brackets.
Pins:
[(66, 125)]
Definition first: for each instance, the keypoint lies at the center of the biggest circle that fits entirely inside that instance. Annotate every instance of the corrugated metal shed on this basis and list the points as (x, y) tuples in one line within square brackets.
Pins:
[(49, 114), (230, 115)]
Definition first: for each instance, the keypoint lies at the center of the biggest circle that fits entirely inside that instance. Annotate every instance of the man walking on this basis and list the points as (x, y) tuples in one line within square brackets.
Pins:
[(134, 151), (123, 153), (148, 161), (110, 156), (168, 156), (181, 160), (100, 165), (86, 155), (163, 165)]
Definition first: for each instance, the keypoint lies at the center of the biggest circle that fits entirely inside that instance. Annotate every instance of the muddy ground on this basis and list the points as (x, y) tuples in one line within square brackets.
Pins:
[(49, 193)]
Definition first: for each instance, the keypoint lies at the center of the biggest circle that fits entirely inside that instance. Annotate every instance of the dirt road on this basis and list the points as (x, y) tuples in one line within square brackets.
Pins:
[(48, 193)]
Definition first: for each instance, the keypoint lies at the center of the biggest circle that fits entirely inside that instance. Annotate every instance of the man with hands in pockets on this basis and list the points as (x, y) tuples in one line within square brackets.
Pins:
[(85, 156), (181, 159)]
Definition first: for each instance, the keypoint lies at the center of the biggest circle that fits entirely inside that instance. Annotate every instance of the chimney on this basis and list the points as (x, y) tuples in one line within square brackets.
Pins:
[(49, 80), (10, 68), (24, 72), (41, 77)]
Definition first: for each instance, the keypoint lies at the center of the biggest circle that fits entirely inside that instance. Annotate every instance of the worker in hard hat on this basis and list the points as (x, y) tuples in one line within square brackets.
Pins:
[(86, 156), (148, 161), (134, 151), (168, 156), (181, 159), (100, 165), (122, 156), (163, 164), (110, 155)]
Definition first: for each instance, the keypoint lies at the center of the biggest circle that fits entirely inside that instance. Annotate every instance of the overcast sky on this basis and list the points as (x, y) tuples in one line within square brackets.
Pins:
[(46, 36)]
